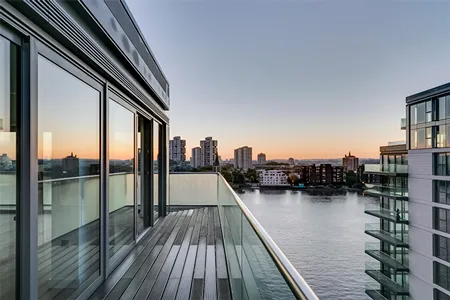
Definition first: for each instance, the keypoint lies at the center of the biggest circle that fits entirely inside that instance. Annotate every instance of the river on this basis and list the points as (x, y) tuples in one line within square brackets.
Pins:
[(322, 236)]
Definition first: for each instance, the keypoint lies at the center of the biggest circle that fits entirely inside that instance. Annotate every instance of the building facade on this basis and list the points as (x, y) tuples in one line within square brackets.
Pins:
[(196, 157), (177, 149), (77, 76), (350, 162), (291, 161), (273, 178), (389, 255), (323, 174), (209, 151), (428, 115), (262, 159), (243, 158)]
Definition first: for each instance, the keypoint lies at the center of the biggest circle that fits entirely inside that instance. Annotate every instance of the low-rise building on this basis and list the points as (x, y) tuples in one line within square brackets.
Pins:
[(273, 178)]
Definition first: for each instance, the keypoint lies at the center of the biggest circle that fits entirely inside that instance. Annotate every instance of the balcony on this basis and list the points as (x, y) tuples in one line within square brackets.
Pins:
[(373, 250), (209, 246), (383, 278), (378, 190), (394, 239), (388, 170), (400, 217), (374, 291)]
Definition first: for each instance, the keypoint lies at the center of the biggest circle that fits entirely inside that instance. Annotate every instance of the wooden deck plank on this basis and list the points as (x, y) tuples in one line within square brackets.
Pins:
[(197, 289), (184, 288), (199, 270), (183, 259), (153, 272), (111, 281), (163, 276), (210, 273), (139, 270)]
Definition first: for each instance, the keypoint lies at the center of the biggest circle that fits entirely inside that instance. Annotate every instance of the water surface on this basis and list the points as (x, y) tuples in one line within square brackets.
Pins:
[(322, 236)]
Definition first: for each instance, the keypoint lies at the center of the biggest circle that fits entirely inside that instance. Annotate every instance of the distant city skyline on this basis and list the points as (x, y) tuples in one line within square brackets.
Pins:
[(302, 79)]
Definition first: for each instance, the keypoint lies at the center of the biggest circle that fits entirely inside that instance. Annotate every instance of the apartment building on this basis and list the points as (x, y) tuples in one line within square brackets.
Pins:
[(387, 265), (428, 115), (177, 149), (209, 151), (243, 158), (272, 178), (262, 159), (196, 157), (322, 174), (350, 162)]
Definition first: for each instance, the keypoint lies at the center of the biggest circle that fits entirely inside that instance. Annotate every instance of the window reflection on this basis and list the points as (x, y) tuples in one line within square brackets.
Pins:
[(156, 166), (69, 194), (121, 179), (9, 87)]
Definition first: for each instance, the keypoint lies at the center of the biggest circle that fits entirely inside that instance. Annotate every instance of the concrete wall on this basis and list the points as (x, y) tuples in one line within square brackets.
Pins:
[(420, 192)]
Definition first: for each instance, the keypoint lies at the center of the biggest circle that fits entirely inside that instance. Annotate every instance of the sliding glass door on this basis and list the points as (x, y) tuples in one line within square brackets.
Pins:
[(69, 180), (143, 199), (9, 88), (121, 181)]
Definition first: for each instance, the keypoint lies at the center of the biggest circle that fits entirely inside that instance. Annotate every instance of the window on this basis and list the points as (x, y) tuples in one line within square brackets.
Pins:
[(413, 114), (442, 192), (441, 108), (69, 160), (421, 138), (428, 137), (429, 111), (441, 275), (441, 247), (441, 140), (447, 107), (438, 295), (421, 113), (440, 164), (413, 139), (442, 219), (9, 90)]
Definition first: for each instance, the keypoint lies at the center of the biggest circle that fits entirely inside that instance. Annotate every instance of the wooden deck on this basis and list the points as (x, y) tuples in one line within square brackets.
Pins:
[(182, 257)]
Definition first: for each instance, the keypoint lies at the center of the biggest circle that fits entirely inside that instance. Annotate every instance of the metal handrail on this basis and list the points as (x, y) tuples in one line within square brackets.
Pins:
[(295, 281)]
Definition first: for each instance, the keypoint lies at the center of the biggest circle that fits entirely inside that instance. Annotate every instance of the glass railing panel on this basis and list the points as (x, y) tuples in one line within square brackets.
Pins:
[(262, 278), (192, 189), (253, 272), (401, 235), (400, 215), (372, 168), (388, 168), (231, 222)]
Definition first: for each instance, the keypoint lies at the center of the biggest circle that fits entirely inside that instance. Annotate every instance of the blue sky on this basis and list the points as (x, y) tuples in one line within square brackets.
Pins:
[(303, 79)]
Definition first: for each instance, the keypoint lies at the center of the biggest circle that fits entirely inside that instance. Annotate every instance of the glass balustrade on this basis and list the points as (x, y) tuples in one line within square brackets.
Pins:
[(388, 168), (257, 269)]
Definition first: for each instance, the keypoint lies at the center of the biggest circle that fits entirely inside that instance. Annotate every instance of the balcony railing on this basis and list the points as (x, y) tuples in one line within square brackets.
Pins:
[(256, 266), (399, 239), (400, 216), (385, 169), (384, 278), (398, 262)]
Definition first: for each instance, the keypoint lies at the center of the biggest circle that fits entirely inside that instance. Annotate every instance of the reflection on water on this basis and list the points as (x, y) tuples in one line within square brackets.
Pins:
[(323, 237)]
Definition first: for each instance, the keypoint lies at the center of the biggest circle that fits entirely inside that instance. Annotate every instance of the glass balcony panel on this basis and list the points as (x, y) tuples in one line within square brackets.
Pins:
[(398, 216), (386, 168), (252, 271)]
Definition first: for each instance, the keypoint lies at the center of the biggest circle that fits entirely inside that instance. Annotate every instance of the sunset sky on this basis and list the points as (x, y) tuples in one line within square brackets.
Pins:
[(292, 78)]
